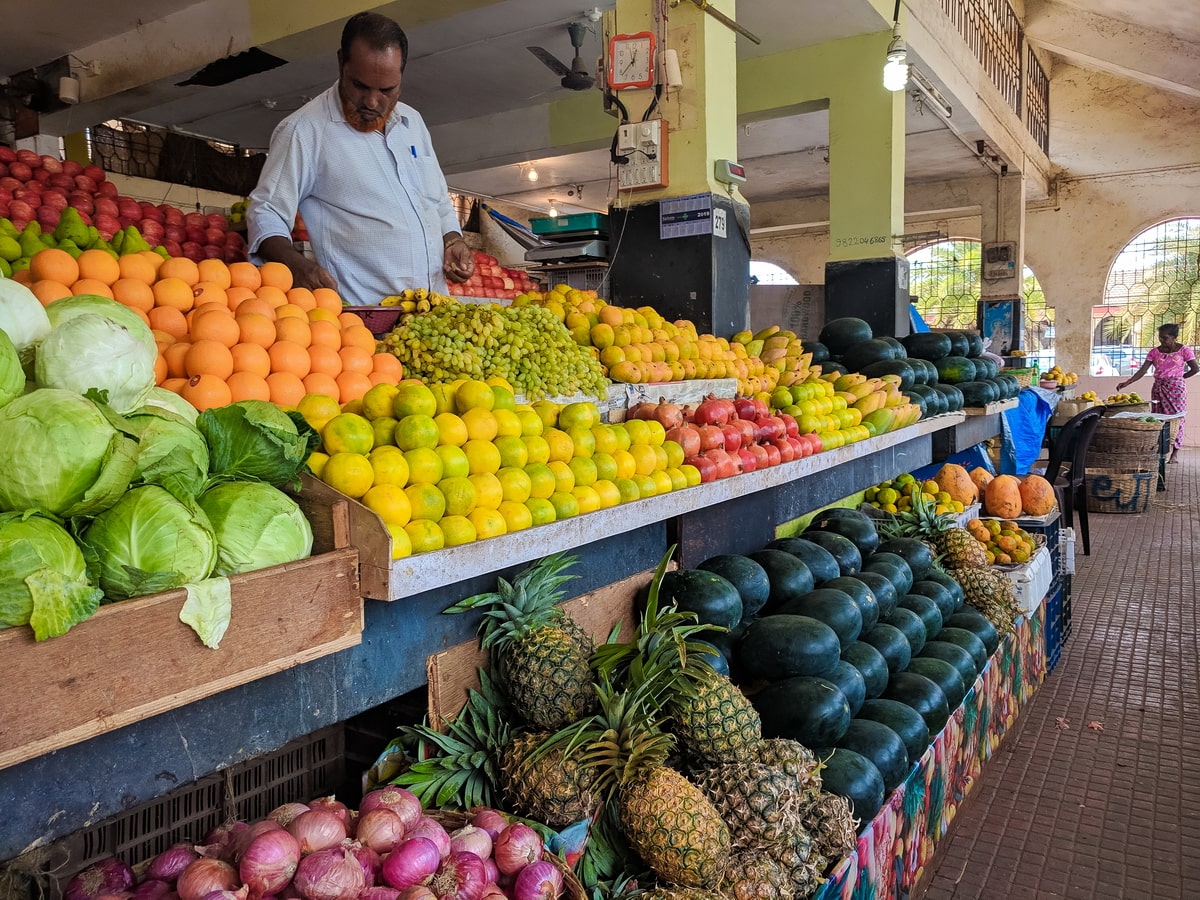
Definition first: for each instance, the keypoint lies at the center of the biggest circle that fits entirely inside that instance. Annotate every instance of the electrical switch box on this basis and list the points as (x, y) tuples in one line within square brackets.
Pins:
[(644, 144)]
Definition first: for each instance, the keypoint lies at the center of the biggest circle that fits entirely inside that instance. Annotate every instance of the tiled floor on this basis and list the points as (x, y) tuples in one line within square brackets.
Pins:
[(1096, 794)]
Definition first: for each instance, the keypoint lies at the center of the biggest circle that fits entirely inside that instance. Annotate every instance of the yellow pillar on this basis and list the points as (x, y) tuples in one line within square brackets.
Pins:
[(75, 146)]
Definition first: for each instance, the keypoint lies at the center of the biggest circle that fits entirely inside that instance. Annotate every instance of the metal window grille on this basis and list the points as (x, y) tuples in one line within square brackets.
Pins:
[(1038, 325), (994, 34), (1035, 95), (1153, 281)]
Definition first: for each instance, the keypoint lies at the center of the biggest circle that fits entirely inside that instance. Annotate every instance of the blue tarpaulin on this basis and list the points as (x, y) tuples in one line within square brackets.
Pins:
[(1023, 428), (972, 458)]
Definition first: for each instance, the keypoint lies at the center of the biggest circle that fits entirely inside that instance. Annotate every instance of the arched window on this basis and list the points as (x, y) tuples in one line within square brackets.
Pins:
[(946, 280), (1154, 280), (769, 273)]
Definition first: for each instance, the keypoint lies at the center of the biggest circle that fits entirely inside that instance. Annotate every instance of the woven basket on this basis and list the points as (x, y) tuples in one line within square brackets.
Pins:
[(1127, 407), (1024, 376), (1126, 436), (1127, 493), (453, 819)]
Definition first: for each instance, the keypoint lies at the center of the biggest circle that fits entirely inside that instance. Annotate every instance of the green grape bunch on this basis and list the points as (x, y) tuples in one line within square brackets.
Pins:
[(528, 346)]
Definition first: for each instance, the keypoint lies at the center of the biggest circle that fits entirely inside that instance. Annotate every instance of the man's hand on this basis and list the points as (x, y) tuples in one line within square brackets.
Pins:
[(306, 273), (458, 261)]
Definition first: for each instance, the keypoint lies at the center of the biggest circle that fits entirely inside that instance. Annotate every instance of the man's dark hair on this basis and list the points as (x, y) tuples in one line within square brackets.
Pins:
[(1170, 328), (377, 32)]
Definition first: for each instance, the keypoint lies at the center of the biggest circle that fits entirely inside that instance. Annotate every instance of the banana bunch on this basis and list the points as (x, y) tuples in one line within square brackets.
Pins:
[(416, 300)]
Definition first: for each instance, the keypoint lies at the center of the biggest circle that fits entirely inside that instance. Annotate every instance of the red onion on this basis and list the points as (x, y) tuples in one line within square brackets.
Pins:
[(493, 892), (431, 829), (151, 889), (489, 866), (410, 863), (240, 894), (417, 892), (403, 803), (269, 861), (490, 820), (379, 893), (108, 876), (218, 841), (317, 829), (518, 846), (168, 864), (539, 881), (244, 839), (284, 814), (380, 829), (459, 877), (330, 804), (370, 861), (472, 840), (204, 876), (329, 874)]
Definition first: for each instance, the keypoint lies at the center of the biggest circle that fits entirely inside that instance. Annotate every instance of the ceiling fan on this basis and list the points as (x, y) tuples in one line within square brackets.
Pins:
[(575, 77)]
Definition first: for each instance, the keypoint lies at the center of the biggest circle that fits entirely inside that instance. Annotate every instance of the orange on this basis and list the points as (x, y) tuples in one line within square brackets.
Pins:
[(291, 328), (206, 391), (325, 361), (175, 356), (162, 339), (22, 276), (358, 336), (134, 293), (175, 385), (91, 286), (141, 315), (388, 366), (208, 292), (322, 383), (286, 388), (160, 369), (53, 264), (245, 275), (349, 319), (174, 292), (302, 297), (168, 319), (328, 299), (353, 385), (208, 358), (322, 315), (355, 360), (380, 378), (151, 257), (290, 309), (276, 275), (251, 358), (248, 386), (180, 267), (216, 326), (255, 305), (208, 306), (237, 295), (289, 357), (255, 328), (137, 267), (98, 265), (272, 295), (325, 334), (214, 271)]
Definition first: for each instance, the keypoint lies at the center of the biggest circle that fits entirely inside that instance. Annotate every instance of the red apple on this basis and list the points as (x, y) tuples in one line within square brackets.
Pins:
[(61, 180), (41, 175), (193, 251), (106, 206), (107, 189), (214, 251), (20, 209), (6, 196), (150, 211), (175, 233), (151, 231), (3, 170), (172, 248), (79, 200), (29, 158), (55, 201), (33, 198), (214, 236), (195, 234), (126, 221), (107, 223), (195, 220), (95, 173), (233, 254), (34, 185), (217, 220), (235, 239), (72, 168), (172, 215), (7, 155), (129, 208), (48, 216), (52, 164), (84, 183)]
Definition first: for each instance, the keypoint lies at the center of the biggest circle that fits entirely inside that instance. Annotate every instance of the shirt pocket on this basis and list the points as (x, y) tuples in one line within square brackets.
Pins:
[(429, 182)]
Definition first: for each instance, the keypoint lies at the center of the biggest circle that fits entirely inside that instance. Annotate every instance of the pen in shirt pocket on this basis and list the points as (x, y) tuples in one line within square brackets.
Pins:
[(413, 148)]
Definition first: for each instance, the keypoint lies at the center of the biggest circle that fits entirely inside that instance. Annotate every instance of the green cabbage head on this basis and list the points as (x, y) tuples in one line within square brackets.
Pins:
[(23, 317), (253, 439), (92, 304), (12, 376), (171, 452), (256, 526), (95, 355), (43, 579)]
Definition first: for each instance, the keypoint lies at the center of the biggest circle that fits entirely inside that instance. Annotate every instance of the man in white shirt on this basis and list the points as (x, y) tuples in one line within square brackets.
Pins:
[(359, 166)]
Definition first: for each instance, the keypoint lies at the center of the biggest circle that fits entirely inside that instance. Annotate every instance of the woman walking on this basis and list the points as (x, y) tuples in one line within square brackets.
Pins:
[(1172, 363)]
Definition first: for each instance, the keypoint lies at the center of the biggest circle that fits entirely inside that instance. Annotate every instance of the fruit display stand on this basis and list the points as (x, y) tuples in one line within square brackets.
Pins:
[(991, 409)]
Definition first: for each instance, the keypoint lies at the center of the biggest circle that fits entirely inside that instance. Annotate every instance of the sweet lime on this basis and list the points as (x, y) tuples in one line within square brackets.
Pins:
[(515, 483), (541, 480), (425, 535), (489, 492), (539, 450), (452, 430), (457, 530), (459, 493), (424, 466), (517, 516), (483, 456), (350, 473), (426, 500), (488, 523), (417, 430), (474, 395), (564, 478), (347, 433), (454, 461), (401, 543), (541, 510), (513, 451), (565, 504), (413, 398), (390, 503)]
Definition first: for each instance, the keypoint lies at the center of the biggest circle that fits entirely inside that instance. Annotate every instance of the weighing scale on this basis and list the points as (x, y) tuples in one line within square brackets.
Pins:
[(581, 237)]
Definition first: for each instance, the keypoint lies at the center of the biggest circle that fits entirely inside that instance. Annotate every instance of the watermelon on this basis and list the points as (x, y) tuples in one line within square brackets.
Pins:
[(892, 645), (784, 646), (882, 588), (882, 746), (953, 654), (851, 683), (944, 675), (848, 557), (955, 370), (977, 394), (949, 583), (927, 398), (899, 367), (712, 655), (960, 345), (974, 344), (810, 710), (863, 354), (968, 641), (839, 335), (713, 599), (914, 552), (954, 397), (973, 620), (922, 695), (926, 610), (902, 719), (939, 594), (892, 567), (850, 524), (787, 577), (833, 367), (835, 608), (910, 625), (870, 664), (820, 561), (854, 777), (820, 353), (927, 345), (898, 349), (861, 594), (748, 578)]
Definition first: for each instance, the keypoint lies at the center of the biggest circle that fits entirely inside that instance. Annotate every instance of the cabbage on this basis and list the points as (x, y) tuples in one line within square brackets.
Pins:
[(82, 304), (256, 526), (22, 317), (149, 541), (171, 452), (161, 398), (93, 353), (43, 579), (253, 439), (12, 376), (61, 455)]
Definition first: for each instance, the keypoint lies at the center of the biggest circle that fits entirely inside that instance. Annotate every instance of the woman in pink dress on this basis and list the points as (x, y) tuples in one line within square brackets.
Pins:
[(1172, 363)]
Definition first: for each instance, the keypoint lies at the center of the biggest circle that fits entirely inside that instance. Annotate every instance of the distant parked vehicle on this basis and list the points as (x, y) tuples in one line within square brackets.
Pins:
[(1102, 366), (1124, 359)]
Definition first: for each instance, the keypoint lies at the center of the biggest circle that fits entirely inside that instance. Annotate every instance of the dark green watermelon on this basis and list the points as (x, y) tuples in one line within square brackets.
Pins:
[(974, 621), (892, 645), (849, 559), (835, 608), (939, 594), (914, 552), (928, 369), (820, 353), (883, 589), (947, 581), (902, 719), (893, 567), (944, 675), (787, 577), (747, 576), (870, 664), (713, 599), (927, 345), (977, 394), (968, 641), (954, 397), (974, 344), (991, 368), (931, 400), (820, 561), (861, 355), (931, 616), (851, 683), (960, 344), (849, 523), (898, 349), (953, 654), (899, 367), (910, 625), (853, 776), (861, 594), (839, 335), (778, 647), (955, 370), (882, 746), (713, 656), (919, 400), (810, 710), (922, 695), (832, 367)]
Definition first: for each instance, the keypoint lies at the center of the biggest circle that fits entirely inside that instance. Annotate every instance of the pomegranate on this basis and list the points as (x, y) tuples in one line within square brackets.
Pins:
[(790, 426), (711, 411), (711, 437), (733, 437), (746, 428), (745, 408), (749, 461), (669, 415), (705, 466), (786, 452), (773, 456), (759, 452), (687, 437)]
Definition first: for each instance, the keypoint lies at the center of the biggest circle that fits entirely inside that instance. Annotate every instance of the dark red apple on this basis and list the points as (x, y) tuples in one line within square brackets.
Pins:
[(29, 158), (234, 254), (235, 239), (7, 155), (195, 220), (72, 168), (214, 236), (79, 200), (61, 180), (176, 233), (150, 211), (106, 206), (107, 189), (151, 231), (217, 220), (55, 201), (41, 175), (173, 216), (172, 248), (84, 183), (95, 173), (214, 251), (195, 234), (193, 251), (20, 209), (107, 225), (48, 217), (52, 164)]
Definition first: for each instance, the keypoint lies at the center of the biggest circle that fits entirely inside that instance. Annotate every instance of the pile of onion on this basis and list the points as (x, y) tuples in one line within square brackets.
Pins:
[(387, 849)]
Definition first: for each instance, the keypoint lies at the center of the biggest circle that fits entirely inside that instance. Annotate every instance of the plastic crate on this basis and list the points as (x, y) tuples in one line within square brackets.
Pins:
[(1055, 628), (1032, 579), (1049, 527), (582, 278)]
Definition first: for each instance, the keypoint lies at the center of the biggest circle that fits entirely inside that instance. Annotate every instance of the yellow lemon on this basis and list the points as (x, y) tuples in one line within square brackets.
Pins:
[(584, 441), (380, 400), (452, 430), (541, 480), (417, 430), (488, 523), (483, 456), (502, 397), (662, 481), (608, 493), (515, 483), (489, 492), (628, 489), (606, 466), (425, 535), (531, 423), (644, 459), (401, 544), (678, 479), (389, 465), (507, 422), (587, 498), (565, 505), (413, 398), (513, 451), (564, 478), (318, 409), (316, 462), (457, 530), (390, 503), (541, 510), (646, 485), (606, 438), (384, 429), (474, 395), (481, 424), (459, 493), (443, 398), (350, 473), (561, 446), (424, 466), (658, 433), (626, 463), (674, 454), (454, 461), (639, 431), (584, 470), (578, 415), (517, 516), (347, 433), (539, 449), (426, 500), (691, 474)]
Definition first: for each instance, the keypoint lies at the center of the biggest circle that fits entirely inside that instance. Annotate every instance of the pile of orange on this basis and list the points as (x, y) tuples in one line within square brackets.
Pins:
[(228, 332)]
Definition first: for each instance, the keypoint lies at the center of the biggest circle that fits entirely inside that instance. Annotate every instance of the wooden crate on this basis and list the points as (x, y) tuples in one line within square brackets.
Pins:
[(135, 659)]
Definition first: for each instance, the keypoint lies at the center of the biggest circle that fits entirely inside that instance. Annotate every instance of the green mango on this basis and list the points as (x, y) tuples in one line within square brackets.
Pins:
[(70, 247), (8, 228), (9, 248), (71, 228)]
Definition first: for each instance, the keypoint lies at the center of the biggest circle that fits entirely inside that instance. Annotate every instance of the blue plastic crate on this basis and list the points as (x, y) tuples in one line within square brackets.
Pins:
[(1054, 630), (1049, 527)]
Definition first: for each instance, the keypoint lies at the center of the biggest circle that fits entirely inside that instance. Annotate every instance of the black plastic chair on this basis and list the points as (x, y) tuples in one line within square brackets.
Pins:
[(1067, 468)]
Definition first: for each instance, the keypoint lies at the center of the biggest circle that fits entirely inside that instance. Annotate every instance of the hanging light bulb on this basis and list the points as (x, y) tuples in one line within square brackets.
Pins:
[(532, 174), (895, 70), (553, 208)]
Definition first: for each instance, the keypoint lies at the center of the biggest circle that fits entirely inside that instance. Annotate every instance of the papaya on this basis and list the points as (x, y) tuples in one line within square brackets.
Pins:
[(954, 480), (1002, 497), (1037, 496), (981, 477)]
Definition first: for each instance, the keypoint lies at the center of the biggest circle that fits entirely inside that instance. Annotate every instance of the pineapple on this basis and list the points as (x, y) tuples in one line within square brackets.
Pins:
[(803, 872), (835, 831), (680, 893), (761, 804), (541, 656), (960, 550), (956, 546), (992, 594), (753, 876), (794, 758), (552, 787)]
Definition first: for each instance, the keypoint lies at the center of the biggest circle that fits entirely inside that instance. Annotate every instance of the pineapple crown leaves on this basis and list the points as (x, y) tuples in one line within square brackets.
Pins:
[(921, 521)]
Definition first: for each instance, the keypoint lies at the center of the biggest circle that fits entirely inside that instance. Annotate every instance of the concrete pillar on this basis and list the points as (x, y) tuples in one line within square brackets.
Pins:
[(1003, 237)]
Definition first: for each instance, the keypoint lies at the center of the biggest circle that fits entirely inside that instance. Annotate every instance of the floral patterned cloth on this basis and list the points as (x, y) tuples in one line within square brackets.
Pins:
[(1169, 392)]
